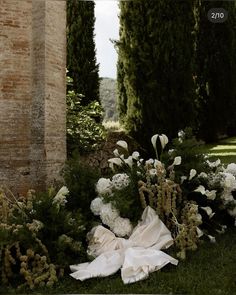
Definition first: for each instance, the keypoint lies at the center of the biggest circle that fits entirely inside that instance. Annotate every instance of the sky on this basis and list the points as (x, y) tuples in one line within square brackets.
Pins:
[(106, 27)]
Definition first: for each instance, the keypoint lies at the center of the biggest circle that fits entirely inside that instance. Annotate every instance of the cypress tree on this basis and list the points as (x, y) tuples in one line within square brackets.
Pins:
[(81, 53), (155, 53), (215, 71)]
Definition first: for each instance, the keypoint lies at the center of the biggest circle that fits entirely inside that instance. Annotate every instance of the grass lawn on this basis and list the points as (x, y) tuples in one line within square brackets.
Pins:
[(224, 149), (209, 270)]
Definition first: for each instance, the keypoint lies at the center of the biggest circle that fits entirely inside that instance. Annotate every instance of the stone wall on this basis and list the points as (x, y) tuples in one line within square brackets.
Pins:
[(32, 93)]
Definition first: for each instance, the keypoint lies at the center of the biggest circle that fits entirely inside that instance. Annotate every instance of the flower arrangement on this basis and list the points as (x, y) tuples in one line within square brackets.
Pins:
[(39, 237), (193, 202)]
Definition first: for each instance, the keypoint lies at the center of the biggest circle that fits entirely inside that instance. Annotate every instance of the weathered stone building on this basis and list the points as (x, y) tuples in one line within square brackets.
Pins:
[(32, 92)]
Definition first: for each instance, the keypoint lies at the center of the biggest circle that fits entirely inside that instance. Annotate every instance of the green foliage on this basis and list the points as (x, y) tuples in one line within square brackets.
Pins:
[(215, 71), (155, 67), (84, 130), (80, 180), (190, 150), (81, 53), (39, 237)]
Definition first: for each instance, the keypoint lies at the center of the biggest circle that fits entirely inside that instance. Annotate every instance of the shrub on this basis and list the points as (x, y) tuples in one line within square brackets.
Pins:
[(39, 237)]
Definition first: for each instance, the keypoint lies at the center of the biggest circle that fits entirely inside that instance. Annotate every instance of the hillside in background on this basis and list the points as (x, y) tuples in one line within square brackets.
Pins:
[(108, 96)]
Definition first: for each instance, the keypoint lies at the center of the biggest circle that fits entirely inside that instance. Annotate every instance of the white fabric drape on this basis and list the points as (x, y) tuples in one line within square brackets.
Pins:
[(137, 256)]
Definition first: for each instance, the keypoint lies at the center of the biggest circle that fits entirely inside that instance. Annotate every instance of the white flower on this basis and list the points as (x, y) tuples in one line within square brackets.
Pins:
[(229, 181), (122, 144), (199, 232), (231, 168), (135, 156), (177, 161), (152, 172), (200, 189), (183, 178), (213, 164), (104, 186), (154, 141), (158, 164), (120, 180), (208, 210), (108, 214), (149, 162), (164, 140), (181, 134), (227, 196), (116, 153), (63, 191), (170, 152), (203, 175), (198, 218), (192, 173), (129, 161), (212, 239), (211, 195), (122, 227), (116, 161), (60, 198), (96, 206)]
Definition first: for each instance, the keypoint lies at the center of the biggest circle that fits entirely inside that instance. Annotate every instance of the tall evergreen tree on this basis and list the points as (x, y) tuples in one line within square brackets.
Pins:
[(215, 71), (81, 52), (155, 69)]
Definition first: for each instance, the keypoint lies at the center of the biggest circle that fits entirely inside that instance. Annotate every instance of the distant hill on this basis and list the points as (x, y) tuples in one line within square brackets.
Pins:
[(108, 96)]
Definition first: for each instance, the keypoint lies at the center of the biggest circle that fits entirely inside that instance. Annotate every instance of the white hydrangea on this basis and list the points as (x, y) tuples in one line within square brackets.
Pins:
[(108, 214), (229, 181), (60, 198), (104, 186), (96, 206), (120, 180), (122, 227), (231, 168)]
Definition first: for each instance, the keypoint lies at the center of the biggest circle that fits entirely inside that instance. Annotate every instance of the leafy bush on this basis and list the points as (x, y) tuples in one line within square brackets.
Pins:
[(84, 128), (39, 237), (80, 180)]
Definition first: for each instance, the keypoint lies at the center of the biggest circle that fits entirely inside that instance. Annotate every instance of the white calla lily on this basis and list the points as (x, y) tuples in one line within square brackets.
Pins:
[(122, 144), (192, 173), (116, 161), (201, 189), (208, 210), (212, 239), (183, 178), (154, 141), (164, 140), (129, 161), (135, 156), (116, 153), (177, 161), (199, 232)]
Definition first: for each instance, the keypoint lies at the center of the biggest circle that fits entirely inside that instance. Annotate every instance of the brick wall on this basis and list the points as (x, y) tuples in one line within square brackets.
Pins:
[(32, 92)]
